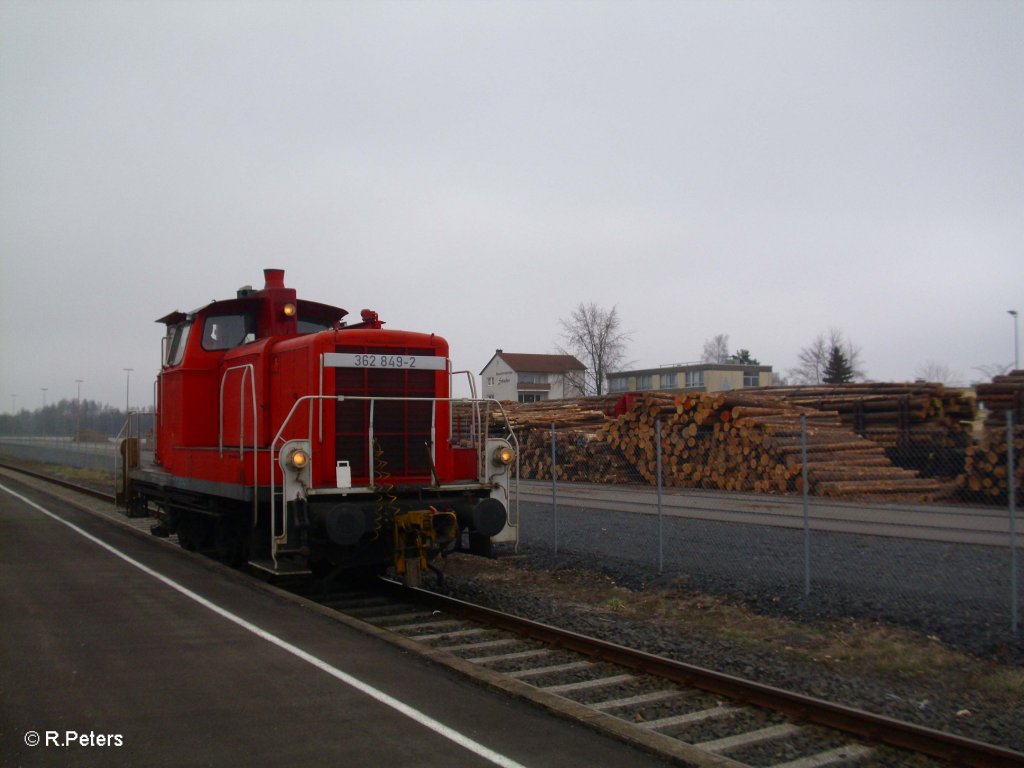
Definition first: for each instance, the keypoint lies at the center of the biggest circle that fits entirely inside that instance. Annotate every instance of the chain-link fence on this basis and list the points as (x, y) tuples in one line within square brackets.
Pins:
[(97, 453), (786, 506), (60, 450)]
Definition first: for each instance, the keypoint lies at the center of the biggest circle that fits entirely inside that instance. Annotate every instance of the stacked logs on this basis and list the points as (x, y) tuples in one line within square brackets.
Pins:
[(923, 426), (728, 441), (742, 442), (579, 455), (986, 476), (986, 472), (1002, 394)]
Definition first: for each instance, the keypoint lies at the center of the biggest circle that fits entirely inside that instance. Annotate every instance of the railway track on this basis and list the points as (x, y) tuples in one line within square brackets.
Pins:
[(692, 715)]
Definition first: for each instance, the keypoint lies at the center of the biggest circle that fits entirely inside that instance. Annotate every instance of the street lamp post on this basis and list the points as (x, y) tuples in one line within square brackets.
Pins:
[(78, 411), (1016, 348), (127, 388)]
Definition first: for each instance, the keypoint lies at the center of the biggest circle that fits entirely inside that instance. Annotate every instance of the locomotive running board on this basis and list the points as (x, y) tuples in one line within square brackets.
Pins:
[(282, 569)]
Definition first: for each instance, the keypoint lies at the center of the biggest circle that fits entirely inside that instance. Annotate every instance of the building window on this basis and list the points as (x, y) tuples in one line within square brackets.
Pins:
[(668, 381), (490, 381), (533, 378), (643, 382), (695, 378), (751, 379), (529, 397), (618, 384)]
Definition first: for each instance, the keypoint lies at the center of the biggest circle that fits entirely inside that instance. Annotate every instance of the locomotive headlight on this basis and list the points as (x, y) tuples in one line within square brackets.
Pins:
[(502, 456), (289, 310), (298, 459)]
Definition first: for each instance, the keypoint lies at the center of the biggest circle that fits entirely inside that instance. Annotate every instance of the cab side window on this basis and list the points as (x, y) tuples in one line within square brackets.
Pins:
[(177, 335)]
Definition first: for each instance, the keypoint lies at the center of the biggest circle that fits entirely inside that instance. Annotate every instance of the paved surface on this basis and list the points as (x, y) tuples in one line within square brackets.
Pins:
[(988, 526), (146, 675)]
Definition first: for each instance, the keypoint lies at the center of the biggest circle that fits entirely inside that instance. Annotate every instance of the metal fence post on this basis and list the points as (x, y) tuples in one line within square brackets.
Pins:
[(661, 522), (554, 483), (1012, 487), (806, 492)]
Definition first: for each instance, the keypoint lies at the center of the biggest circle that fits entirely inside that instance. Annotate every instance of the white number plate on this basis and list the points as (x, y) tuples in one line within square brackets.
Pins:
[(396, 362)]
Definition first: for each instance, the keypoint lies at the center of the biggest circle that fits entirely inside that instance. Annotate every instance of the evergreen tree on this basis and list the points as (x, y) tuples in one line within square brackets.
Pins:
[(742, 357), (838, 370)]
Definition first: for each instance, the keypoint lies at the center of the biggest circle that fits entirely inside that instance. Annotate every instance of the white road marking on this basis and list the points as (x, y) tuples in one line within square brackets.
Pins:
[(413, 714)]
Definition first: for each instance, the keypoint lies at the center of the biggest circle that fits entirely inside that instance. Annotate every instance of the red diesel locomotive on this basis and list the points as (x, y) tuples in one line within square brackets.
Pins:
[(294, 441)]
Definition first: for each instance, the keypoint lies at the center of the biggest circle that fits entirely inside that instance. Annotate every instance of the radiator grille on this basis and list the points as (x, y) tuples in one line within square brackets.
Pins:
[(400, 429)]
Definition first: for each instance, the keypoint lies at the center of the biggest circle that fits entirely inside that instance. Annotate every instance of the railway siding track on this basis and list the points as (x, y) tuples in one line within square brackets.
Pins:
[(692, 715), (697, 716)]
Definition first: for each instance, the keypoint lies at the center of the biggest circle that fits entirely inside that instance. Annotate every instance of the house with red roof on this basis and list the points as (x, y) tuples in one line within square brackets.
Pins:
[(529, 378)]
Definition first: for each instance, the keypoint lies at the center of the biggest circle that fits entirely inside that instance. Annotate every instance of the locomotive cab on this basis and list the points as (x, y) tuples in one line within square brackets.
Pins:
[(294, 441)]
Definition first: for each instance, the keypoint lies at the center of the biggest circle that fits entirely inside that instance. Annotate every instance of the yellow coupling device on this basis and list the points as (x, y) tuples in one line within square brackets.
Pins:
[(418, 533)]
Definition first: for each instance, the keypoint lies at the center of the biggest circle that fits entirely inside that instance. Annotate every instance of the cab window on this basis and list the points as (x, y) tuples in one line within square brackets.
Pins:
[(174, 350), (307, 325), (227, 331)]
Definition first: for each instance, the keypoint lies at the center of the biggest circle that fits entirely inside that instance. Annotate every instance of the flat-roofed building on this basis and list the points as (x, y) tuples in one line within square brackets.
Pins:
[(692, 377)]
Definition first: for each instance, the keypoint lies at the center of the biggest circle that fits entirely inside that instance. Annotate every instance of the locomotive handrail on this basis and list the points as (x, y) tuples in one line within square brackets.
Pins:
[(469, 376), (248, 372), (128, 433), (281, 538)]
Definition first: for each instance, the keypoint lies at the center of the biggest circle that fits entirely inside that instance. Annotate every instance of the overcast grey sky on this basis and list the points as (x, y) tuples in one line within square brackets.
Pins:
[(767, 170)]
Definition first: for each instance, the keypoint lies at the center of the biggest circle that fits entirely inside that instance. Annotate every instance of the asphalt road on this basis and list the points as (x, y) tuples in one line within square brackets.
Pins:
[(139, 654), (988, 526)]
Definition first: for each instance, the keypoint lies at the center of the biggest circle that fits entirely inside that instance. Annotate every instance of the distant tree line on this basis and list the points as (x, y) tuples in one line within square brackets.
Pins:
[(66, 418)]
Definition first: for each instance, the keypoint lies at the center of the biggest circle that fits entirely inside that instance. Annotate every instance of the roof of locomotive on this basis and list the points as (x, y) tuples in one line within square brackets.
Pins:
[(308, 310)]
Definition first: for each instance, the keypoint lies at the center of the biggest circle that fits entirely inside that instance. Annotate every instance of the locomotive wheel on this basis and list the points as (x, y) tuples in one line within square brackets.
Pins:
[(186, 538), (231, 542), (193, 532)]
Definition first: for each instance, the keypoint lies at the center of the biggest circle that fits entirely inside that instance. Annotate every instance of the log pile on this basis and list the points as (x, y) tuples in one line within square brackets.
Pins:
[(1002, 394), (923, 426), (743, 442), (986, 472), (986, 477), (729, 441), (580, 456)]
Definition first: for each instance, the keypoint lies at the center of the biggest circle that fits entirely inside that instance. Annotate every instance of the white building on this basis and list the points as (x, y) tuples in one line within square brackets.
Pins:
[(527, 378)]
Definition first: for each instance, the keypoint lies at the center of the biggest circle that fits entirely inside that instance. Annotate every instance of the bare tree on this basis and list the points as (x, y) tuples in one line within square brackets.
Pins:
[(716, 350), (594, 335), (814, 358), (994, 369), (939, 373)]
